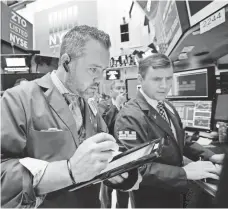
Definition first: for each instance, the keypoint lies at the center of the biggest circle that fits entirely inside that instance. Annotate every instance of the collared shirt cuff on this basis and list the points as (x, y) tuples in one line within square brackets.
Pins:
[(36, 167)]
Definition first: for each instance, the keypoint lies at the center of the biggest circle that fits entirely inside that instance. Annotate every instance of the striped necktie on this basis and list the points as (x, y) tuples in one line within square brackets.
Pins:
[(161, 111), (76, 106)]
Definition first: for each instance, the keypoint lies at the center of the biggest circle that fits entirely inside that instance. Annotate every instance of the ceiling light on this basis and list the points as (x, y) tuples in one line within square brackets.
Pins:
[(183, 56), (187, 49)]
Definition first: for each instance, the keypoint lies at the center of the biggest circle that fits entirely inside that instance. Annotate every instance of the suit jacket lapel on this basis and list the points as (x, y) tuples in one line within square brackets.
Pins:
[(179, 131), (154, 115), (59, 105), (90, 121)]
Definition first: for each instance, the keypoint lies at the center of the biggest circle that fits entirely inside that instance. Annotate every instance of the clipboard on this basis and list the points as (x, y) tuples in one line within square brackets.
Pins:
[(126, 161)]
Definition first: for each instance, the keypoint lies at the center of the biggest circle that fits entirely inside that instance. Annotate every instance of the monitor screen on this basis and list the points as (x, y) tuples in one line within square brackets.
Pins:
[(199, 10), (15, 62), (132, 88), (195, 114), (192, 83), (221, 112)]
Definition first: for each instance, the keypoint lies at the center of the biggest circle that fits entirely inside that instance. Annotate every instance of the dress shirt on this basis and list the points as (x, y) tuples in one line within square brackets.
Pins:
[(115, 104)]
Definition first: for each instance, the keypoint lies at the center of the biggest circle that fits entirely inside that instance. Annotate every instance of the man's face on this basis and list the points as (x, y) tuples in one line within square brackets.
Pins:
[(86, 72), (118, 88), (157, 82)]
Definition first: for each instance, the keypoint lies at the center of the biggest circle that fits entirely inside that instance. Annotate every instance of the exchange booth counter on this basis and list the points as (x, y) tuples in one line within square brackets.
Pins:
[(213, 193), (206, 190), (209, 185), (203, 193)]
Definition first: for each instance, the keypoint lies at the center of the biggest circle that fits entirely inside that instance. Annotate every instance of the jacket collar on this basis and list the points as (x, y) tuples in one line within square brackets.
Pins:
[(58, 104), (153, 114)]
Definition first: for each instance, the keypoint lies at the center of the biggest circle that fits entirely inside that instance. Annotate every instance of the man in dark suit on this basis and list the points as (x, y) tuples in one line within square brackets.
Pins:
[(52, 137), (149, 116), (109, 110)]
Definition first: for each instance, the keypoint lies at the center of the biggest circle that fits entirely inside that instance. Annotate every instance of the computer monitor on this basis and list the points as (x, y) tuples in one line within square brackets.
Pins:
[(132, 86), (221, 111), (15, 63), (195, 114), (193, 84)]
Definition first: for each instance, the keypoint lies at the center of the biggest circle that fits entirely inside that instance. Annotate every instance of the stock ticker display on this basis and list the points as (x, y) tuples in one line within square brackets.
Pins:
[(195, 114)]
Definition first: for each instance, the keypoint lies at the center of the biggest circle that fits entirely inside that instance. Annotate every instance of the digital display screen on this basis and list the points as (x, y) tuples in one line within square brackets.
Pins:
[(134, 156), (221, 113), (192, 83), (15, 62), (196, 6), (194, 114), (132, 88), (112, 74), (199, 10)]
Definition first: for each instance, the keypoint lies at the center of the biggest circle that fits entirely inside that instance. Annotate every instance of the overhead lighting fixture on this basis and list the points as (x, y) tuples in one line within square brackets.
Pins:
[(176, 61), (183, 56), (187, 49)]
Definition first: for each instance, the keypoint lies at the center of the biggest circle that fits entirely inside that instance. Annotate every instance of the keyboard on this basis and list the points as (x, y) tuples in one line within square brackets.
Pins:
[(16, 68)]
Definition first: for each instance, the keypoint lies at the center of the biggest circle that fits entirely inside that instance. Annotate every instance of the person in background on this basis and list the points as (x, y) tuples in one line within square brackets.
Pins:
[(150, 116), (109, 110), (52, 138), (110, 107)]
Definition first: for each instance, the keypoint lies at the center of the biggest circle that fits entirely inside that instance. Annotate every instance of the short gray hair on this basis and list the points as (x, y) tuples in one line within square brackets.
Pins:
[(76, 38), (156, 61)]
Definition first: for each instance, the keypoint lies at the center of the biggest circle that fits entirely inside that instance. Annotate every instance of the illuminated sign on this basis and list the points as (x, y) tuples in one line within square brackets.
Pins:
[(15, 29), (60, 22), (52, 24), (112, 74)]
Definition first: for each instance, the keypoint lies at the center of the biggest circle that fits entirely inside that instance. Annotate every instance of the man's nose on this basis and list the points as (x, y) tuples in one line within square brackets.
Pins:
[(98, 78), (123, 90), (96, 82), (163, 83)]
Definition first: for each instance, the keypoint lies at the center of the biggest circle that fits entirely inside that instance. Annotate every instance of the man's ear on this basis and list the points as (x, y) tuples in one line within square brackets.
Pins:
[(65, 58), (140, 78)]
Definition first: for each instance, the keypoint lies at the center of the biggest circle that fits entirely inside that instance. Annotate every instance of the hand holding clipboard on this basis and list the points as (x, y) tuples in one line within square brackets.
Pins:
[(126, 161)]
